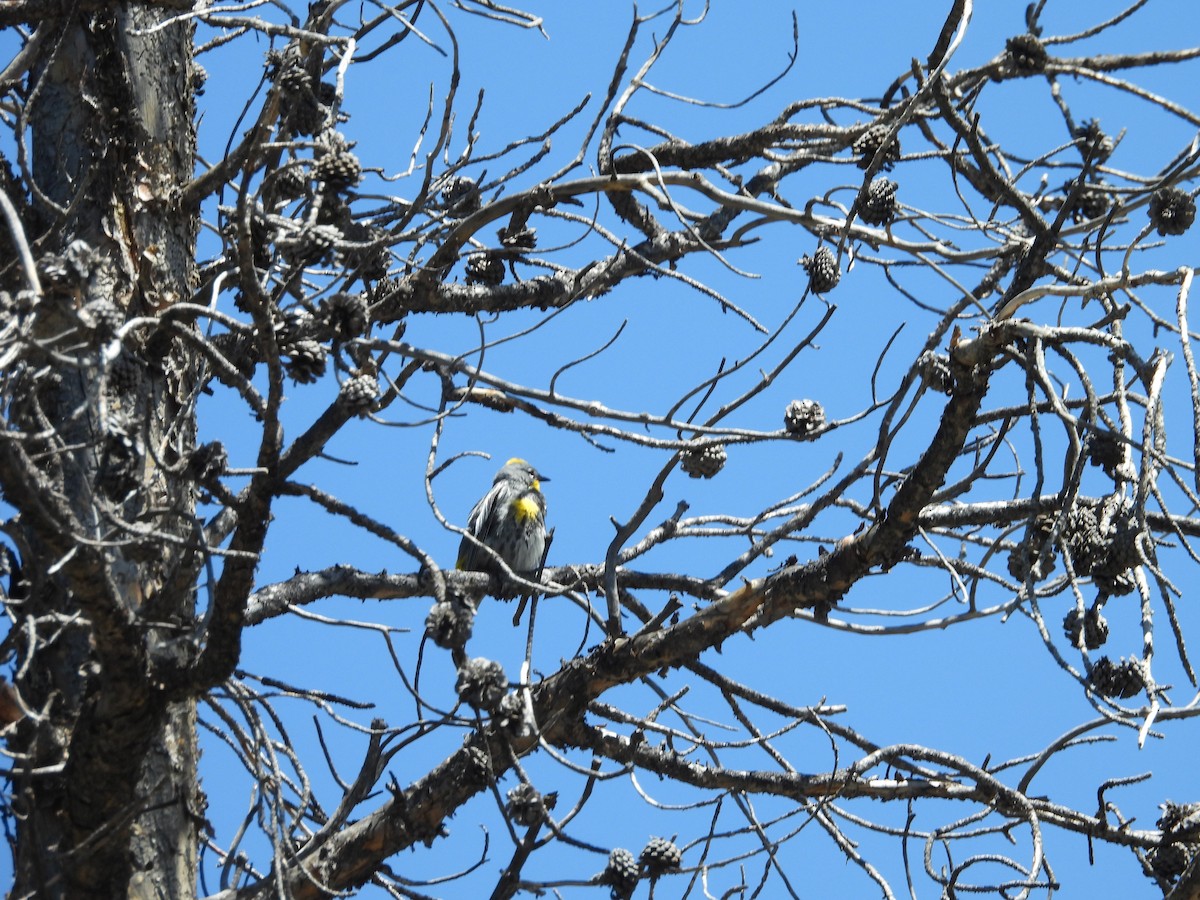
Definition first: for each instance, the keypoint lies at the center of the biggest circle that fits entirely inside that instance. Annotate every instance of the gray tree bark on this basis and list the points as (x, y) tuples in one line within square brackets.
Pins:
[(108, 805)]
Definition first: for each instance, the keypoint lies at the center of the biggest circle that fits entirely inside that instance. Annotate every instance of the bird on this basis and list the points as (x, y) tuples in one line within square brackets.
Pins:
[(510, 519)]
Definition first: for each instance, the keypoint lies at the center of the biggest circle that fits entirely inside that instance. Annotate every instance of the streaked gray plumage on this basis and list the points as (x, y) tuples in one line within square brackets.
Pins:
[(511, 519)]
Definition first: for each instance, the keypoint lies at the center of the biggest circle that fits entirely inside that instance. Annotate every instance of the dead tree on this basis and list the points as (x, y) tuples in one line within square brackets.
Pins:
[(166, 320)]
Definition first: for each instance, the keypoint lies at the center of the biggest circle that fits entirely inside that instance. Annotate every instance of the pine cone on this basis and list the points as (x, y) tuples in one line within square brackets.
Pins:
[(660, 856), (1093, 202), (1105, 451), (518, 240), (313, 244), (1179, 822), (1118, 551), (822, 269), (1112, 574), (1122, 680), (870, 142), (358, 394), (1169, 861), (370, 257), (346, 315), (306, 360), (461, 196), (207, 462), (1082, 537), (485, 268), (803, 417), (261, 237), (449, 625), (290, 183), (703, 462), (289, 73), (1025, 54), (525, 805), (1027, 554), (334, 212), (124, 375), (1116, 584), (1172, 211), (1180, 819), (82, 259), (879, 206), (339, 170), (482, 683), (121, 453), (292, 324), (301, 107), (1091, 626), (303, 113), (621, 873), (374, 262), (237, 351), (1093, 143)]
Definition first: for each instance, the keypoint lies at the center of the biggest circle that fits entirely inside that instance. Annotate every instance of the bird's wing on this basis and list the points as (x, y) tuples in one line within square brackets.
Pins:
[(479, 523)]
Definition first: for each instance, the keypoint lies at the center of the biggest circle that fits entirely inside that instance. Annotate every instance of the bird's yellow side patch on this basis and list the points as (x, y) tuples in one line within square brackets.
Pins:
[(525, 509)]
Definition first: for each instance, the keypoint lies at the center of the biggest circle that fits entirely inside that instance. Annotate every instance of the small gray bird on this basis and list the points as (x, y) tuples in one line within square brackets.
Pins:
[(511, 519)]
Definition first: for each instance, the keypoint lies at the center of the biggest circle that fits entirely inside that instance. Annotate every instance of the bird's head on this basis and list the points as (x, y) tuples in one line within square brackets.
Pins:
[(517, 469)]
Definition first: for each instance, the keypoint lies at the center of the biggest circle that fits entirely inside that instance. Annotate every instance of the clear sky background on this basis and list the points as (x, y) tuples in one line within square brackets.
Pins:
[(989, 687)]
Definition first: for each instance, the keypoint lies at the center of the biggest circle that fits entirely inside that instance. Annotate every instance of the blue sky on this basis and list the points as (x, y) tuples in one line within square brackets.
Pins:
[(988, 687)]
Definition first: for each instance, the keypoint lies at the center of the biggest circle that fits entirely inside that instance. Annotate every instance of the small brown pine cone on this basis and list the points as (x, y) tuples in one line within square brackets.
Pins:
[(878, 207), (1026, 54), (1122, 680), (822, 269), (358, 394), (621, 873), (1172, 211), (803, 417), (1093, 143), (703, 462), (869, 143), (449, 625), (305, 361), (461, 196), (1090, 626), (339, 170), (482, 683), (525, 806), (660, 856), (485, 268)]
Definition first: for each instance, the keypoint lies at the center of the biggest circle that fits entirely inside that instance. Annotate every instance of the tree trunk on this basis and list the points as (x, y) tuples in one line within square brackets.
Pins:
[(108, 805)]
